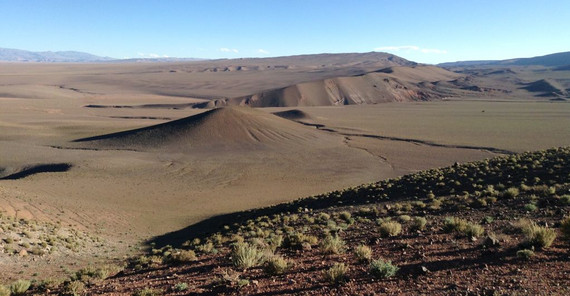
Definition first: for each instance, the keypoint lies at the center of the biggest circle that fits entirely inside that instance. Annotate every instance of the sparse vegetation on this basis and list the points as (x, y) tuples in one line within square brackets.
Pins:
[(418, 223), (474, 230), (511, 192), (348, 219), (74, 288), (180, 287), (19, 287), (245, 256), (276, 265), (184, 256), (363, 253), (537, 236), (390, 228), (383, 269), (4, 291), (336, 274), (525, 254), (333, 244)]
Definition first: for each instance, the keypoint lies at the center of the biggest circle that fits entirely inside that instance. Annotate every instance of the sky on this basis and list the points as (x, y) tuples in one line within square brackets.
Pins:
[(428, 31)]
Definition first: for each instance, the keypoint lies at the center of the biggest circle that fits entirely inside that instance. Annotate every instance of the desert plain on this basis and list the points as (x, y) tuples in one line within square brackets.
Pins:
[(114, 154)]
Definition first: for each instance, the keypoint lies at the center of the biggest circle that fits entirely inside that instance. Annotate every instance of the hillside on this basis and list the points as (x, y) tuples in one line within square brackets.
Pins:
[(392, 84), (490, 227), (18, 55), (234, 128), (552, 60)]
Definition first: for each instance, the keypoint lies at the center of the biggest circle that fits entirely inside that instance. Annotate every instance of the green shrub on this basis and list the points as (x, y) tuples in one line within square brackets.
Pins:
[(336, 274), (183, 256), (332, 245), (454, 224), (344, 215), (180, 287), (74, 288), (295, 240), (363, 253), (383, 269), (525, 254), (565, 199), (474, 230), (538, 236), (246, 256), (4, 291), (530, 207), (276, 265), (418, 223), (511, 193), (91, 272), (390, 228), (20, 287), (207, 248)]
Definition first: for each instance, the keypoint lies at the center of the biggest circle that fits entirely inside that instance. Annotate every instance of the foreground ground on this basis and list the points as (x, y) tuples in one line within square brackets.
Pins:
[(68, 204), (124, 196), (493, 227)]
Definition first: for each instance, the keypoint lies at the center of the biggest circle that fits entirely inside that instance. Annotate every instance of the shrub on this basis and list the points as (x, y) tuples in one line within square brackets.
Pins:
[(180, 287), (91, 272), (383, 269), (207, 248), (404, 218), (390, 228), (74, 288), (474, 230), (296, 240), (565, 228), (418, 223), (332, 245), (336, 274), (538, 236), (4, 291), (19, 287), (344, 215), (276, 265), (511, 193), (452, 224), (530, 207), (275, 241), (525, 254), (246, 256), (565, 199), (183, 256), (363, 253)]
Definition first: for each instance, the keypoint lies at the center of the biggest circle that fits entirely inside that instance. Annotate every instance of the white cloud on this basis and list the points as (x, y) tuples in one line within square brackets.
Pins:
[(411, 48), (262, 51), (225, 49), (151, 55)]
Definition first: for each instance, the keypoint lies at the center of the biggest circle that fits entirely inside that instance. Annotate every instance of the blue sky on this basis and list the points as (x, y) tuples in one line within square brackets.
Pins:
[(422, 31)]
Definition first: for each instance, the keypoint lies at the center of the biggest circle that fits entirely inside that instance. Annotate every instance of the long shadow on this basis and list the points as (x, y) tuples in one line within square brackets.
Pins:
[(40, 168), (407, 187)]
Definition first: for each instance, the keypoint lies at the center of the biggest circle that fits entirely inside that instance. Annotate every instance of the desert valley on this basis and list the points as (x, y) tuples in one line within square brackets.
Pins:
[(106, 163)]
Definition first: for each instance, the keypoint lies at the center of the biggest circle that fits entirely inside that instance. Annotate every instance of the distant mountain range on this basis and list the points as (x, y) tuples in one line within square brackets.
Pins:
[(18, 55), (561, 59), (552, 60)]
